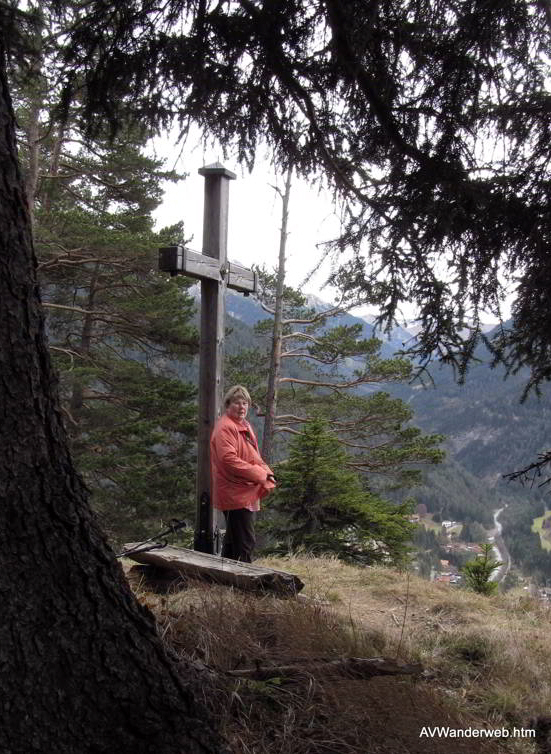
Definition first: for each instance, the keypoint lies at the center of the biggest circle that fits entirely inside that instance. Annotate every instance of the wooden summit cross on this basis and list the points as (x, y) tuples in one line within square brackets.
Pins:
[(216, 274)]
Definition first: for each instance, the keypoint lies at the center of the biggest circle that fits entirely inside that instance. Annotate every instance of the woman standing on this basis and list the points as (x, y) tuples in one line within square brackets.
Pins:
[(240, 478)]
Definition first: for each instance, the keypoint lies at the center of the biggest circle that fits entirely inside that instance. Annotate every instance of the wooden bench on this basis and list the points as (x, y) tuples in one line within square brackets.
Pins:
[(200, 565)]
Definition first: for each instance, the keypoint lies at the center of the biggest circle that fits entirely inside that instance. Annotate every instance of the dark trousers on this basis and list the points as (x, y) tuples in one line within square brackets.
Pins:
[(239, 540)]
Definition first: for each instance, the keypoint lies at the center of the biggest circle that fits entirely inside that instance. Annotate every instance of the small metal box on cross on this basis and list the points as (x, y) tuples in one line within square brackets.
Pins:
[(216, 274)]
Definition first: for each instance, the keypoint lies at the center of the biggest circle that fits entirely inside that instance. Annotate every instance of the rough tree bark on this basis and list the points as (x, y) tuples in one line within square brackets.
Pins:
[(275, 362), (81, 666)]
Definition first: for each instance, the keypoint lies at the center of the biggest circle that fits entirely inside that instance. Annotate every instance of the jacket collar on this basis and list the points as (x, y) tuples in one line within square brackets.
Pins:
[(241, 426)]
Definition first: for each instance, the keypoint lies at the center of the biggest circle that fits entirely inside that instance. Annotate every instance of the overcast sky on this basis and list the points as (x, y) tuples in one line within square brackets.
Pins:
[(255, 218)]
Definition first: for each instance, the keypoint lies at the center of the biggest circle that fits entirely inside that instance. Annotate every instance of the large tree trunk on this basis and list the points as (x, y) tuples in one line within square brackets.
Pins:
[(81, 666)]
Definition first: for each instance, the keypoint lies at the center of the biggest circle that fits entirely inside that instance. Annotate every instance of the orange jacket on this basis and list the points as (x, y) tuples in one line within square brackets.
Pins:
[(239, 475)]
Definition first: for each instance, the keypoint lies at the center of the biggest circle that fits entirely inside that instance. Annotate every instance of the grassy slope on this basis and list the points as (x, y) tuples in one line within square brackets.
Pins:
[(486, 660)]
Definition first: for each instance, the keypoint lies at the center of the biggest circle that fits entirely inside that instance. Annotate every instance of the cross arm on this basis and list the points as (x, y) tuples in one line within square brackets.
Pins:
[(241, 278), (177, 260), (181, 261)]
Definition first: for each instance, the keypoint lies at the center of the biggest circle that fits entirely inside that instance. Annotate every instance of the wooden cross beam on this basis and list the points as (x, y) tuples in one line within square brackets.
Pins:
[(216, 274), (178, 259)]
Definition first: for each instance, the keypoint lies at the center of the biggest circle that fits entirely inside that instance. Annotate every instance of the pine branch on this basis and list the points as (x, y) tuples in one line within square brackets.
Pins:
[(293, 418), (333, 385), (74, 262), (306, 336), (306, 355)]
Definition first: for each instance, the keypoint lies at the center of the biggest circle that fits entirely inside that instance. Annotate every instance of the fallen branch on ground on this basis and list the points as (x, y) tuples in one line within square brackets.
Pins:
[(355, 667)]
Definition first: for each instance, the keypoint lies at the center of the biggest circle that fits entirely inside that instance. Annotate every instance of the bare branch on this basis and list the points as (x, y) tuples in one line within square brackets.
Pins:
[(305, 355), (333, 385), (350, 667), (531, 472), (77, 309), (94, 395), (364, 419), (306, 336), (364, 447), (80, 171), (60, 260), (72, 354), (266, 309), (293, 418), (333, 312), (287, 429), (68, 414)]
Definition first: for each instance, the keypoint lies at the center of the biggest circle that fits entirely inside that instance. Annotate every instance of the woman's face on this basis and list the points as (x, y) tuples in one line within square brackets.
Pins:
[(238, 408)]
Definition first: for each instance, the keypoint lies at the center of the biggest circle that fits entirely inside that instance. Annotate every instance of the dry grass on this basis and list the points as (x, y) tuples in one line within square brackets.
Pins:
[(493, 654), (229, 630), (487, 659)]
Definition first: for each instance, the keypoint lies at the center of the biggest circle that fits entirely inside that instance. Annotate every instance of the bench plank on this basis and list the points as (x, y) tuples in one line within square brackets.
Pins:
[(222, 570)]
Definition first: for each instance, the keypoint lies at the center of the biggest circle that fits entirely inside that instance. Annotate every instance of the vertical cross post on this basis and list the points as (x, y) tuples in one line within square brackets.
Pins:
[(211, 358)]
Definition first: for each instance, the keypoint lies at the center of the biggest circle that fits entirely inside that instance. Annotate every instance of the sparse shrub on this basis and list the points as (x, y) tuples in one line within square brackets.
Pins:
[(473, 649)]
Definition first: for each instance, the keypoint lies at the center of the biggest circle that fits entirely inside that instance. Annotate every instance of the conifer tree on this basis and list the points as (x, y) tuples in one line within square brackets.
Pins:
[(117, 328), (429, 120), (478, 572), (326, 366), (321, 506)]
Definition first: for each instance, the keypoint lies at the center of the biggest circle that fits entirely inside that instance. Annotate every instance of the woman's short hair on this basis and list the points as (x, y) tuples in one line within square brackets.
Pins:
[(237, 391)]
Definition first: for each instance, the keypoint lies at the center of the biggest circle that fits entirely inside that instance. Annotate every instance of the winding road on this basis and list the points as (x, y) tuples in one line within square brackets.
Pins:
[(500, 550)]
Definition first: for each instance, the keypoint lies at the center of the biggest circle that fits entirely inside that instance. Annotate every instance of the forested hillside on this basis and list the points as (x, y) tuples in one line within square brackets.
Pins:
[(490, 432), (451, 492)]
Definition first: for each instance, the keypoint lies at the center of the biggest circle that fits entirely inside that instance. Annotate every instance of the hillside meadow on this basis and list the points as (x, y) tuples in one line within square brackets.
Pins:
[(486, 661), (537, 527)]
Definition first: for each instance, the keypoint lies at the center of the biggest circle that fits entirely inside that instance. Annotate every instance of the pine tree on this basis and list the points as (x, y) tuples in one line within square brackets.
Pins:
[(429, 120), (83, 666), (117, 328), (479, 572), (326, 366), (322, 507)]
